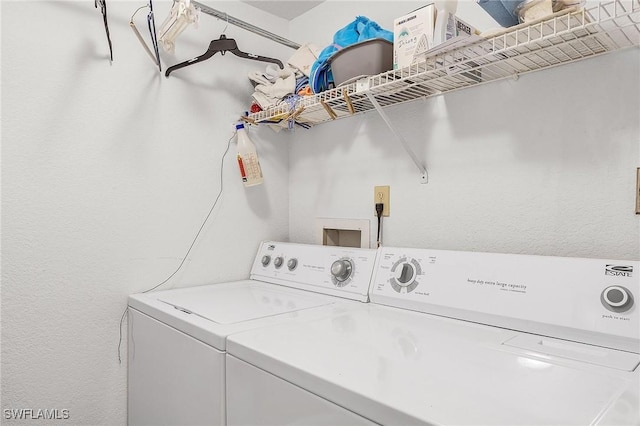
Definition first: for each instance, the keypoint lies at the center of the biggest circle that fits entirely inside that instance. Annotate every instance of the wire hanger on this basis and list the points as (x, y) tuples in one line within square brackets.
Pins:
[(155, 55), (226, 15), (103, 10), (222, 45)]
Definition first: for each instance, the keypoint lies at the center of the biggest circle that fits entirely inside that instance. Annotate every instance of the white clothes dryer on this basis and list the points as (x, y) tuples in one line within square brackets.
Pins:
[(455, 338), (177, 338)]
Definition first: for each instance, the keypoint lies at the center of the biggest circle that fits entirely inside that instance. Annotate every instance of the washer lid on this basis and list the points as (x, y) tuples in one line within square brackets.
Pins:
[(233, 304), (401, 367)]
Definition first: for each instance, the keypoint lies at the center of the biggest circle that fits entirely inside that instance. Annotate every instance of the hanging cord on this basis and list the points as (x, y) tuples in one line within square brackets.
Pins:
[(379, 208), (124, 314)]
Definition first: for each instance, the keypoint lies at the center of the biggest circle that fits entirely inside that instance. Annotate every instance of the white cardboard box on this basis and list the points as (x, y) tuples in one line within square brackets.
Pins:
[(449, 26), (411, 32)]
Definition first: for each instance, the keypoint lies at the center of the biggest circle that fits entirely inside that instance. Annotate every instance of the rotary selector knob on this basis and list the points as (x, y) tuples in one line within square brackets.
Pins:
[(278, 261), (406, 273), (341, 269), (266, 259), (616, 298), (292, 264)]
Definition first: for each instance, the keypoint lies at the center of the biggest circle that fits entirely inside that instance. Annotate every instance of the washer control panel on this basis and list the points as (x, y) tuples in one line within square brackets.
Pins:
[(339, 271), (539, 294)]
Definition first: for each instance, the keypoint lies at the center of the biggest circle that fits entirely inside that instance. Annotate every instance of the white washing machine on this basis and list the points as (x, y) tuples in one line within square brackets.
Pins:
[(177, 338), (455, 338)]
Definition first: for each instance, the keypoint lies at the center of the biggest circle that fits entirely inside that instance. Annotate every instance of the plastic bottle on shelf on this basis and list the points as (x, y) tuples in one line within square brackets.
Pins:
[(248, 162)]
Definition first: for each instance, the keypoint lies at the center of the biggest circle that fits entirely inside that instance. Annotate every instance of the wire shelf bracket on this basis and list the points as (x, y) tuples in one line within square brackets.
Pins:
[(424, 175)]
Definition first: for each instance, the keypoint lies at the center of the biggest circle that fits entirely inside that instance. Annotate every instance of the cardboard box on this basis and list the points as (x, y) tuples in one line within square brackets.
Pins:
[(411, 32), (449, 26)]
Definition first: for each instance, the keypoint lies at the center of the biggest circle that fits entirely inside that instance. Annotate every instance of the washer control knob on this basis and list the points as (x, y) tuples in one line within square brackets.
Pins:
[(341, 269), (406, 273), (617, 298), (292, 263), (266, 259), (278, 261)]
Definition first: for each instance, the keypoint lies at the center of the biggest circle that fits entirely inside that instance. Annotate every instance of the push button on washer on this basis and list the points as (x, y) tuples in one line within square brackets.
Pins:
[(617, 298)]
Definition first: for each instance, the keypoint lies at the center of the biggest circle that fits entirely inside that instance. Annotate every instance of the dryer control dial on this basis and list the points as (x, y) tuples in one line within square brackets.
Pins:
[(292, 264), (266, 259), (404, 275), (617, 298), (278, 261), (341, 270)]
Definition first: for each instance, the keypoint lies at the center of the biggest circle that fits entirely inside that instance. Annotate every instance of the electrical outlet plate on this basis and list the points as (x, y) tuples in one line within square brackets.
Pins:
[(381, 195), (638, 190)]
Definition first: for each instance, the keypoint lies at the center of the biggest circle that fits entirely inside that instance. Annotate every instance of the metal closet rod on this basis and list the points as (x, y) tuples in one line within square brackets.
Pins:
[(245, 25)]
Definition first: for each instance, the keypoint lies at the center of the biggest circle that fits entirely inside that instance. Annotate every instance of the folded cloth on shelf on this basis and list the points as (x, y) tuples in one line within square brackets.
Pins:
[(361, 29), (273, 85), (304, 57), (271, 73)]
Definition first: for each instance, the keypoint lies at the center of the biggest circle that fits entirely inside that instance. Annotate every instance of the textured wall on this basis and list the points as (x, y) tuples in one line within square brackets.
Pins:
[(107, 173), (542, 165)]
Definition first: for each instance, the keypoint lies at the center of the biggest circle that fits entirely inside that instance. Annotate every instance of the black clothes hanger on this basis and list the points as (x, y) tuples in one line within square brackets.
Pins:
[(222, 45), (103, 10)]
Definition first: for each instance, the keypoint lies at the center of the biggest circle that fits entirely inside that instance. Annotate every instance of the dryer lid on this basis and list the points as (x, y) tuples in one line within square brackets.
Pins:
[(234, 304)]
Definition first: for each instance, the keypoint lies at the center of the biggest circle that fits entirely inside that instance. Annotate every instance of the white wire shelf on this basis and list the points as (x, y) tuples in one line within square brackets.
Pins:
[(562, 38)]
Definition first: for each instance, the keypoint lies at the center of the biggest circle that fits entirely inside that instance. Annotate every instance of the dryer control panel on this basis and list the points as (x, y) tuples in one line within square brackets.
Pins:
[(588, 300), (338, 271)]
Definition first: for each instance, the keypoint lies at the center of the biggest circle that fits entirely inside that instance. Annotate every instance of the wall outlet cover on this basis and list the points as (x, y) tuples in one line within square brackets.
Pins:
[(381, 195)]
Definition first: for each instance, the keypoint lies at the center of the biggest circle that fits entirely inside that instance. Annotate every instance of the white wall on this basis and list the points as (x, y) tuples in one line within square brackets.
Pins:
[(543, 165), (108, 172)]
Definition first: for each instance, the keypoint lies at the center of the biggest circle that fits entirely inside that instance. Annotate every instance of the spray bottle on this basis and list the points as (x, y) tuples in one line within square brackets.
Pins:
[(248, 158)]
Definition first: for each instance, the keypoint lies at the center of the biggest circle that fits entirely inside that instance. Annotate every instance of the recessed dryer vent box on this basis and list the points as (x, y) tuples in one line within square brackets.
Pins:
[(342, 232)]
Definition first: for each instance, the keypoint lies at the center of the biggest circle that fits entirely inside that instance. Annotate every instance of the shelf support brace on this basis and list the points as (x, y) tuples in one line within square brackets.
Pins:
[(424, 174)]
